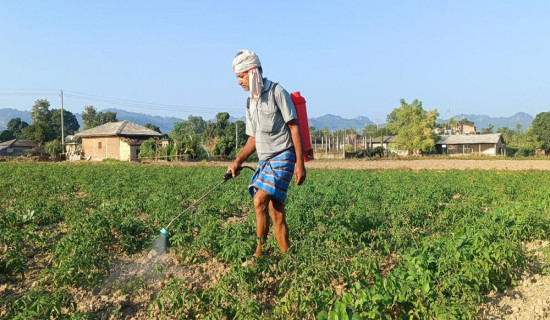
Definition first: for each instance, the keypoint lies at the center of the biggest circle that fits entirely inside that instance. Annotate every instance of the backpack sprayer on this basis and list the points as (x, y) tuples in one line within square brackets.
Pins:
[(164, 231)]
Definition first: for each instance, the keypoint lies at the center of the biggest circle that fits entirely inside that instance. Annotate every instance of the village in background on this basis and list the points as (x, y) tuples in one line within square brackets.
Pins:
[(409, 131)]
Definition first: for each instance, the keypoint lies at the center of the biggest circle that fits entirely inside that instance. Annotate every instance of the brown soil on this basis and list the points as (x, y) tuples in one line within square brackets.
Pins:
[(130, 288), (414, 165), (530, 299)]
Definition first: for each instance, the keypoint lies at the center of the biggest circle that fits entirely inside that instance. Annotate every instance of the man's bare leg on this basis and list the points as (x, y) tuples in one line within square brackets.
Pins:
[(261, 205), (277, 212)]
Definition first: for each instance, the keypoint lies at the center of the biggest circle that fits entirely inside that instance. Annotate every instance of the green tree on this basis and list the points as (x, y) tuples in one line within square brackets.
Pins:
[(193, 147), (507, 134), (41, 111), (541, 128), (39, 132), (70, 123), (92, 118), (89, 117), (414, 127), (217, 129), (224, 146), (105, 117), (488, 130), (152, 127), (16, 126), (6, 135), (148, 148), (192, 126)]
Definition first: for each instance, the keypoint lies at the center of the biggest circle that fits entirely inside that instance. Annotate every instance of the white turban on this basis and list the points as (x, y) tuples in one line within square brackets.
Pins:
[(248, 61)]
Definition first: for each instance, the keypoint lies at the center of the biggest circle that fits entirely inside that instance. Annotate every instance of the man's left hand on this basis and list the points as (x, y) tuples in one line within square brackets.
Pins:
[(300, 173)]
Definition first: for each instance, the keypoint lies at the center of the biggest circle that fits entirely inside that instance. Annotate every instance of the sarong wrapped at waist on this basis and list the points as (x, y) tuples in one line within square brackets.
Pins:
[(274, 175)]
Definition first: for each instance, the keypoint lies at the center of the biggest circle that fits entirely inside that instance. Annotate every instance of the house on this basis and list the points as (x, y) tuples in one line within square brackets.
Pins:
[(115, 140), (465, 129), (488, 144), (387, 143), (18, 148), (73, 147)]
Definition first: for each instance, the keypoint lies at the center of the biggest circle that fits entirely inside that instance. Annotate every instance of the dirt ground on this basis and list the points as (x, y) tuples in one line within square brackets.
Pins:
[(414, 165)]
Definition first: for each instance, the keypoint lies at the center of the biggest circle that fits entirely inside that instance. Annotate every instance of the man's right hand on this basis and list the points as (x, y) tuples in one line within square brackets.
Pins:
[(233, 168)]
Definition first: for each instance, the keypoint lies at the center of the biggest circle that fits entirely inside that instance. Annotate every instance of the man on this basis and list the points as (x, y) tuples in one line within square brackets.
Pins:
[(273, 131)]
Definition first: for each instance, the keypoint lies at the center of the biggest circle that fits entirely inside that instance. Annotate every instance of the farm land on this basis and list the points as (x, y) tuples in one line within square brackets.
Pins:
[(75, 243)]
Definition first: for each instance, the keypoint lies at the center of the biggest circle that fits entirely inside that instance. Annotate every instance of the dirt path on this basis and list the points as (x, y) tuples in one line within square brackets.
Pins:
[(421, 164)]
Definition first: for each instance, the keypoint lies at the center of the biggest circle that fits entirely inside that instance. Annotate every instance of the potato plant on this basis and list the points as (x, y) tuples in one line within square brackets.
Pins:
[(364, 245)]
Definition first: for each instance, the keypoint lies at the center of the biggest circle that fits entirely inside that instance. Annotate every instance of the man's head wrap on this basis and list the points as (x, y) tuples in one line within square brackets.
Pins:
[(248, 61)]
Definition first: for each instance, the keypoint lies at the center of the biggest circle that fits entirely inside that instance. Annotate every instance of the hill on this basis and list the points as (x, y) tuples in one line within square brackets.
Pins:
[(7, 114), (166, 124), (333, 122), (483, 121)]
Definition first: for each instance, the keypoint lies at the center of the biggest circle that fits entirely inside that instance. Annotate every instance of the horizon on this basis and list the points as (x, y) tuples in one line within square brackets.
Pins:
[(359, 58), (310, 117)]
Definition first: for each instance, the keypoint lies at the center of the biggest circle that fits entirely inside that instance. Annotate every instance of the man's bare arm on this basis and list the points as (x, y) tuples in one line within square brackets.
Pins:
[(246, 152), (300, 169)]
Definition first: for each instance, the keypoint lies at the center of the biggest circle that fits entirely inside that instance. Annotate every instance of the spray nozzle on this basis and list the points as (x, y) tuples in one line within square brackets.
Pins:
[(165, 233)]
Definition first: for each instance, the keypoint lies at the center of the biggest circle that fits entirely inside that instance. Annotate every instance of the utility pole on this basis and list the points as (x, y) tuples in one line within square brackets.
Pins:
[(62, 131), (236, 137)]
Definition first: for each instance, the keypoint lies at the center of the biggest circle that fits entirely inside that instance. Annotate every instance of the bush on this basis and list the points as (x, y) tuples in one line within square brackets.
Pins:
[(148, 149), (371, 153), (54, 147)]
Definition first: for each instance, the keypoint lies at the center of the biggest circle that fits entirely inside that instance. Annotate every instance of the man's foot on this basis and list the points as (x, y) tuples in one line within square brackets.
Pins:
[(249, 262)]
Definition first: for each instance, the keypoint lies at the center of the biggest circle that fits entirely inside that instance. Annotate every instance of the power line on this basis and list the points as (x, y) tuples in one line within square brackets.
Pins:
[(118, 101)]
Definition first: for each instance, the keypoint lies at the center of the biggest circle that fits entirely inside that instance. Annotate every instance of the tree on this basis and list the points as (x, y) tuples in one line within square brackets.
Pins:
[(152, 127), (39, 132), (541, 128), (41, 111), (6, 135), (194, 125), (224, 146), (89, 116), (507, 134), (92, 118), (16, 126), (214, 130), (106, 117), (414, 127), (148, 148), (193, 147), (70, 123), (488, 130)]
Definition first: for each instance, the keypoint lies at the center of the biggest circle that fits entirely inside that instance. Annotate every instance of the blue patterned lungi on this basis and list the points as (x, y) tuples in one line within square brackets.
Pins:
[(274, 175)]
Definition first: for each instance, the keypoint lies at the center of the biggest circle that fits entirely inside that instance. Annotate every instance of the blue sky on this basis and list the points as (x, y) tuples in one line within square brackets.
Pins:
[(349, 58)]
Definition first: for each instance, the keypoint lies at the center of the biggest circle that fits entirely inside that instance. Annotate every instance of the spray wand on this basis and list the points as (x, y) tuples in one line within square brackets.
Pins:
[(226, 177)]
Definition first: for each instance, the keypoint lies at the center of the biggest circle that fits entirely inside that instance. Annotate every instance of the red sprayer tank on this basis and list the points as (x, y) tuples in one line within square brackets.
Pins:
[(300, 104)]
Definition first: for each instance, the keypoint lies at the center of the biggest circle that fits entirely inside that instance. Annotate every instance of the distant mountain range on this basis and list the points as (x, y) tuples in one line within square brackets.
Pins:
[(7, 114), (483, 121), (332, 122)]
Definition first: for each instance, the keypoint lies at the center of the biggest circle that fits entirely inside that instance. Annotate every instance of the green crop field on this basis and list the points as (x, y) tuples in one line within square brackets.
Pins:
[(364, 245)]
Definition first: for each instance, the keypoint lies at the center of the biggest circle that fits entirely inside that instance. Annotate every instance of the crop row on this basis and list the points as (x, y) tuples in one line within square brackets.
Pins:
[(391, 244)]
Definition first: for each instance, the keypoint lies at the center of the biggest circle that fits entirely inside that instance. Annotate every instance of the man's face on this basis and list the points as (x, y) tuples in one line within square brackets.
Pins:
[(243, 81)]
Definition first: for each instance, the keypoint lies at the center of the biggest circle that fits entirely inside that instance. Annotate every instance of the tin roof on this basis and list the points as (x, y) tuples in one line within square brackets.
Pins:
[(121, 128), (470, 139)]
